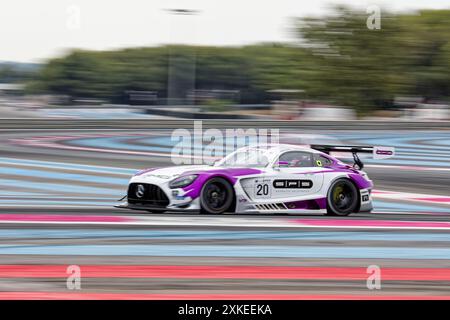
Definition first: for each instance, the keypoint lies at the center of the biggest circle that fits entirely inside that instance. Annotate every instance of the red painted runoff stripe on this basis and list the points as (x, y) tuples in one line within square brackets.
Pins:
[(60, 218), (372, 223), (434, 199), (223, 272), (16, 295)]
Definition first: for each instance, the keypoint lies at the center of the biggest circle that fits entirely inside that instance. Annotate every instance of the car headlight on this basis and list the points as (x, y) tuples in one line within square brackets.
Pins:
[(183, 181)]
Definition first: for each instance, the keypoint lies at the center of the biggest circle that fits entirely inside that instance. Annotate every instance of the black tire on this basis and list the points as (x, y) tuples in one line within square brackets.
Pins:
[(342, 198), (216, 197)]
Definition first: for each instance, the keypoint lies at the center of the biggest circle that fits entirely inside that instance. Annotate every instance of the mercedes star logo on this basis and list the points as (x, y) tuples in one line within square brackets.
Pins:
[(140, 191)]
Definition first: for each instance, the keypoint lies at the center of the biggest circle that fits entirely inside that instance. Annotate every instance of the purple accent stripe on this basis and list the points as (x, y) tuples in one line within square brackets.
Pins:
[(229, 174), (314, 204), (360, 182)]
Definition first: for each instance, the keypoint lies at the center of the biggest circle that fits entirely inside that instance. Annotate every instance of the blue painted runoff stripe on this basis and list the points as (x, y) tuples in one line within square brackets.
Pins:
[(218, 235), (67, 166), (407, 207), (420, 154), (54, 187), (38, 203), (117, 143), (62, 176), (36, 196), (230, 251)]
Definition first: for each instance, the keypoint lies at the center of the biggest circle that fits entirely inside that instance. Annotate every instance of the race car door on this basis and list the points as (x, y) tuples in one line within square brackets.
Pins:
[(297, 176)]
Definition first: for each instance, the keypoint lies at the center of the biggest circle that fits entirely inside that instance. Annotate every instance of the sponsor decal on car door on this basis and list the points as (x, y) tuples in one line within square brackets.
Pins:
[(296, 182)]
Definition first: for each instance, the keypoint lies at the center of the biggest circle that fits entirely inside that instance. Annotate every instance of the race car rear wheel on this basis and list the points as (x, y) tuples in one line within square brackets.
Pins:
[(342, 198), (216, 196)]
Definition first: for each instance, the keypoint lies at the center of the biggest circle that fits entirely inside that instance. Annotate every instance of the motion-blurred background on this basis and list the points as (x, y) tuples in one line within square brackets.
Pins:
[(338, 60)]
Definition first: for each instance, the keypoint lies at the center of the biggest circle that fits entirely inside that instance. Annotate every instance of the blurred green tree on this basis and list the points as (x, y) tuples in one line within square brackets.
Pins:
[(337, 59), (365, 68)]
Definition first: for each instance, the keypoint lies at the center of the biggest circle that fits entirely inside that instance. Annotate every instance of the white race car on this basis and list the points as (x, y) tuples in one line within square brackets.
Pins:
[(265, 178)]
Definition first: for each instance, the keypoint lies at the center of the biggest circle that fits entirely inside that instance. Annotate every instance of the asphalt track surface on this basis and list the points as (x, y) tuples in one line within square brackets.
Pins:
[(57, 189)]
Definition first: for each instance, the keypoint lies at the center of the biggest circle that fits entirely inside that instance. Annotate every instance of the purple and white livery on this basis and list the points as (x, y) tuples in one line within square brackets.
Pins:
[(256, 179)]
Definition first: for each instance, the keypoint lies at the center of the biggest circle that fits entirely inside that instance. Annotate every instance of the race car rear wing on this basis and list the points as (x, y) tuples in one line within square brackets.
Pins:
[(377, 152)]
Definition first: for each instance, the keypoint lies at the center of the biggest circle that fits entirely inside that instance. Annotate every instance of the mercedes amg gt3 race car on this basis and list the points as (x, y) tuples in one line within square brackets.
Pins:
[(261, 179)]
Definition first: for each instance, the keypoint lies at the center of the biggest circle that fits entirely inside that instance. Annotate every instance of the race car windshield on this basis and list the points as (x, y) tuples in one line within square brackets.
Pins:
[(248, 158)]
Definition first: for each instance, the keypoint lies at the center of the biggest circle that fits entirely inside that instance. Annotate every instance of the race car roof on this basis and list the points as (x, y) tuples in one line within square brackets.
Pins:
[(280, 147)]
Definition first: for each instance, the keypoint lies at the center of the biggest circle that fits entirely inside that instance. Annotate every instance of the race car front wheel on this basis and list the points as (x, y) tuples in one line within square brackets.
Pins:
[(216, 196), (342, 198)]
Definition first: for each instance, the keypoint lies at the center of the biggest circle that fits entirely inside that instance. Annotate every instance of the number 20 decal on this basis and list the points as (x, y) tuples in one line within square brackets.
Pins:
[(262, 189)]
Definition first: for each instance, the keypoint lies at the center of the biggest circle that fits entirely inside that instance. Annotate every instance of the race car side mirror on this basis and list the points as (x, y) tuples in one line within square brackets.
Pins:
[(281, 164), (215, 162)]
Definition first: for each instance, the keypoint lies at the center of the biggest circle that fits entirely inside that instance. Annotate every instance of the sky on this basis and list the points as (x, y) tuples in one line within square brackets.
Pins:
[(35, 31)]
